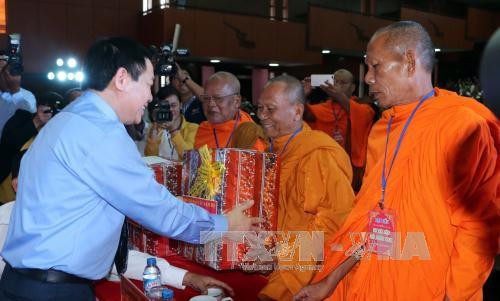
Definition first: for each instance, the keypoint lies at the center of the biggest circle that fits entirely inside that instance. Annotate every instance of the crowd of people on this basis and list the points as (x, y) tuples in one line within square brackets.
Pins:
[(407, 200)]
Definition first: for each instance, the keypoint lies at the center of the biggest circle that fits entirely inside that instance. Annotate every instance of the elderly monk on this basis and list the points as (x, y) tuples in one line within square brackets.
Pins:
[(427, 204), (345, 119), (226, 125), (315, 190)]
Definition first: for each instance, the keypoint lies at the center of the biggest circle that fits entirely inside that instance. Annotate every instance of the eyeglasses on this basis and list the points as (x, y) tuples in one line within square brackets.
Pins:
[(216, 99)]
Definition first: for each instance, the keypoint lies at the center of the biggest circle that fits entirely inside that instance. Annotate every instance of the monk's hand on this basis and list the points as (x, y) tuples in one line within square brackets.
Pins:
[(201, 283), (306, 84), (238, 221), (313, 292), (333, 91)]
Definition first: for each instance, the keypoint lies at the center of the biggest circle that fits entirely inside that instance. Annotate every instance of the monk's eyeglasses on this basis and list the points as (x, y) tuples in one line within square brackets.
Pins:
[(216, 99)]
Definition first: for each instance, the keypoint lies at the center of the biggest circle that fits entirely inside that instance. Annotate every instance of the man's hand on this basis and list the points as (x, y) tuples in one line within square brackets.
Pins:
[(306, 84), (313, 292), (42, 116), (202, 283), (239, 221), (336, 94)]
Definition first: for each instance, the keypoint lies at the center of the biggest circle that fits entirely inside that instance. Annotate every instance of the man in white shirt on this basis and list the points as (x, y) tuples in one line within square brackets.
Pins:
[(12, 96)]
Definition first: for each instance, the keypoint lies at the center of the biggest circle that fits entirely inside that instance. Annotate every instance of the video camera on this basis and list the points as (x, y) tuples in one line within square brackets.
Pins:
[(164, 59), (163, 113), (15, 60)]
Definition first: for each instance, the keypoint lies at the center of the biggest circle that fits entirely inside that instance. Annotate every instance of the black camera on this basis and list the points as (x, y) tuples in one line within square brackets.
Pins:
[(15, 60), (163, 113), (164, 59)]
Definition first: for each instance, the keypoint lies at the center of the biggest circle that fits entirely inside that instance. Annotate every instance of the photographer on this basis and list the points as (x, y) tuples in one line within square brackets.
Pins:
[(12, 96), (19, 132), (169, 134), (189, 92)]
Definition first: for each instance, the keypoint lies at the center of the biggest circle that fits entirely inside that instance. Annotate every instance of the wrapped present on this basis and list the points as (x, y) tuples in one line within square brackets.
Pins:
[(239, 176), (167, 172), (224, 178), (144, 240)]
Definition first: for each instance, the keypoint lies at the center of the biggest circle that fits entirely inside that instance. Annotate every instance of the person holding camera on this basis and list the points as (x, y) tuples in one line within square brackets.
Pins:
[(19, 132), (169, 134), (189, 92), (12, 96)]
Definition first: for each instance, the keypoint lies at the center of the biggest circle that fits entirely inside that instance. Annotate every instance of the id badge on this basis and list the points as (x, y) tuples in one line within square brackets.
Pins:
[(337, 136), (382, 232)]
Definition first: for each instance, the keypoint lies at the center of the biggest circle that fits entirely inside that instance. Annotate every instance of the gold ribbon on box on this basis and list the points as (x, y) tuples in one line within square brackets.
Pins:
[(208, 176)]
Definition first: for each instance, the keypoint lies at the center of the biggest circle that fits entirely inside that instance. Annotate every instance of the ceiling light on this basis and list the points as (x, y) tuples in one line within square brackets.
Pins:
[(326, 51), (274, 65), (215, 61), (51, 75), (59, 62), (61, 75), (437, 49), (71, 62)]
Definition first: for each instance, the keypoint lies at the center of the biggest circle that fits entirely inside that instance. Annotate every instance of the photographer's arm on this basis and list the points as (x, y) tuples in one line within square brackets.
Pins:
[(184, 78)]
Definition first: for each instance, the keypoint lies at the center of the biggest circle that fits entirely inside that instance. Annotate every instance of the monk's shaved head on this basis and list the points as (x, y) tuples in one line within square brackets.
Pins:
[(404, 35), (344, 74), (230, 79), (292, 87)]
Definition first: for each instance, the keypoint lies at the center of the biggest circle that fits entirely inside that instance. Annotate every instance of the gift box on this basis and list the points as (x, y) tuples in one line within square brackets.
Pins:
[(144, 240), (167, 172), (225, 178)]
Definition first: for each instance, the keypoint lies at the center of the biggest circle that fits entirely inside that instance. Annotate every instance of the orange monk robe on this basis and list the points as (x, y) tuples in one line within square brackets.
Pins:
[(315, 195), (330, 115), (225, 134), (443, 187)]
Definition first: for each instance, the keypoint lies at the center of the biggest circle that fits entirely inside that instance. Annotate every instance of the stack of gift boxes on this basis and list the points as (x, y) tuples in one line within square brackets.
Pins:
[(243, 175), (168, 173)]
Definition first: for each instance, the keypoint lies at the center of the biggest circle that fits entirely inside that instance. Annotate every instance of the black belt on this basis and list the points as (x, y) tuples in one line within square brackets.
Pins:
[(51, 275)]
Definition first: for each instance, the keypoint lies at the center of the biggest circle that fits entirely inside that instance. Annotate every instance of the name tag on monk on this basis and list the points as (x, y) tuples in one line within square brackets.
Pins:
[(337, 136), (381, 232)]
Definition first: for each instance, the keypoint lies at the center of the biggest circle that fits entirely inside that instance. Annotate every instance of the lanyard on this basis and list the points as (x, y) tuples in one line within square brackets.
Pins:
[(288, 141), (232, 132), (403, 132), (336, 116)]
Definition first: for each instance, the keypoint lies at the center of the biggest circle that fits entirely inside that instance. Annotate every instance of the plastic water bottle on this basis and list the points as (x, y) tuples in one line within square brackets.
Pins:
[(161, 293), (167, 295), (151, 276)]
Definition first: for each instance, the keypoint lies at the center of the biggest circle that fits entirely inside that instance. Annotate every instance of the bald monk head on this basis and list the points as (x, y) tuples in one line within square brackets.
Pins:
[(344, 82), (281, 105), (222, 98), (400, 58)]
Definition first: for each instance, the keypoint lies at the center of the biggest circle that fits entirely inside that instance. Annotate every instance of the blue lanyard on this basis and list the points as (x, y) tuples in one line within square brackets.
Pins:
[(288, 141), (232, 132), (398, 145)]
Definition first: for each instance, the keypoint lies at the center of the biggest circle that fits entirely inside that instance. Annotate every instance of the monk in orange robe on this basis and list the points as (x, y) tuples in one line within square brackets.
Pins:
[(345, 119), (226, 125), (440, 189), (315, 191)]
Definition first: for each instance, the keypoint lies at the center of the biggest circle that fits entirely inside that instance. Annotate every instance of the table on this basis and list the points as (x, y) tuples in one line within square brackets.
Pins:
[(246, 286)]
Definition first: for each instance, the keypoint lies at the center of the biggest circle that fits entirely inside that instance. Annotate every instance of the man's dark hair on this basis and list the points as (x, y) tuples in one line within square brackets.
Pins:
[(16, 164), (167, 91), (106, 56), (50, 99)]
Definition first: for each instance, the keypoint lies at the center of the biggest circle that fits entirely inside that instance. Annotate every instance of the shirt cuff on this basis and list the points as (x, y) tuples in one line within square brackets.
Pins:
[(220, 223), (173, 276)]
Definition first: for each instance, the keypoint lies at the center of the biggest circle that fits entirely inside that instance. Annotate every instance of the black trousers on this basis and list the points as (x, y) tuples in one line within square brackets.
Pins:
[(18, 287)]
